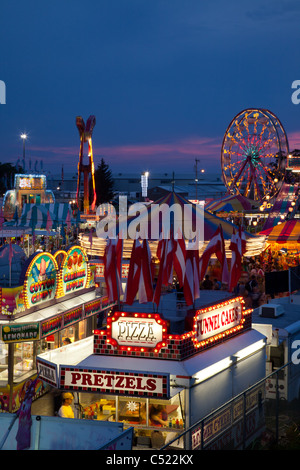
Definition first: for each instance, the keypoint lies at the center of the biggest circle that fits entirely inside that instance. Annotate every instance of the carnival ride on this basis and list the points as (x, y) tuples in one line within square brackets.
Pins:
[(253, 154), (284, 206), (85, 132)]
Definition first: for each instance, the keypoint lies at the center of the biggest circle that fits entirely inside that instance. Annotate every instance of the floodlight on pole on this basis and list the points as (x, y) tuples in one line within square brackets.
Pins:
[(144, 183), (23, 137)]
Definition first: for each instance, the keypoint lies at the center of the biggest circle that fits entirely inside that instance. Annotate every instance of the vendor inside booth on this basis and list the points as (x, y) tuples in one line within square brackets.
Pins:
[(55, 304)]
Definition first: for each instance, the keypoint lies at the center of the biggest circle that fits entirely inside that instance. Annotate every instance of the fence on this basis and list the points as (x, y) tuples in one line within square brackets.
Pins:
[(251, 420)]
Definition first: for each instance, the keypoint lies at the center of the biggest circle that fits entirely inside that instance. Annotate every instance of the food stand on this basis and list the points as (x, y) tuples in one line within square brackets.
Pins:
[(56, 300), (137, 362), (28, 188)]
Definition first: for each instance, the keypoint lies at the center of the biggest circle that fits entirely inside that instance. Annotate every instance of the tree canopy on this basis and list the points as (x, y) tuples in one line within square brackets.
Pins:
[(104, 184), (7, 173)]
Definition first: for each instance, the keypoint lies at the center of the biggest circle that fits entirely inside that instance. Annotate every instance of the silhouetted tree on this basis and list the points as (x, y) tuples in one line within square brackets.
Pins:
[(7, 173), (104, 183)]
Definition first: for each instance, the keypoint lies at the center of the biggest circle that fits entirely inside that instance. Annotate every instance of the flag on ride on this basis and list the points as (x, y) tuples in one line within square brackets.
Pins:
[(165, 273), (133, 273), (179, 258), (215, 246), (238, 248), (159, 246), (119, 256), (145, 280), (168, 261), (191, 283), (110, 270)]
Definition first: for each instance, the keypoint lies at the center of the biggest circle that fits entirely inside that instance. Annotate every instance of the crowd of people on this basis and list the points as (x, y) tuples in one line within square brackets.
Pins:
[(252, 281)]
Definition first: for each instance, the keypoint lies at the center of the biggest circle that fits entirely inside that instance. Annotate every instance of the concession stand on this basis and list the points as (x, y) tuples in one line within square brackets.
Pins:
[(28, 189), (139, 371), (56, 302)]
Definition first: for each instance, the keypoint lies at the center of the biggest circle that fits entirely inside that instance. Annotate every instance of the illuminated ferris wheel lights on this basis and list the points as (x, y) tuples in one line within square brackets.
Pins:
[(255, 141)]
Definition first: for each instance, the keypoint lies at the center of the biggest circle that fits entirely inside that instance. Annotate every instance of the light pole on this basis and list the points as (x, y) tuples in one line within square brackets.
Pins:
[(144, 184), (196, 179), (23, 137)]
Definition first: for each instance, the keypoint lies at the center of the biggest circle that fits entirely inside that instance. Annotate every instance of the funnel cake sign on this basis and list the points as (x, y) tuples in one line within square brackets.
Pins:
[(40, 280), (74, 270), (219, 319)]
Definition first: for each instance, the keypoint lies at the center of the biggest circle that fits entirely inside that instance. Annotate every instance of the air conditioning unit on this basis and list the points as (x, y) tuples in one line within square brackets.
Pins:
[(271, 310)]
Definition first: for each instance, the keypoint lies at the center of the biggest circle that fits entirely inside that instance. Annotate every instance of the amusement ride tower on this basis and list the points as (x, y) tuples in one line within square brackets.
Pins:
[(85, 133)]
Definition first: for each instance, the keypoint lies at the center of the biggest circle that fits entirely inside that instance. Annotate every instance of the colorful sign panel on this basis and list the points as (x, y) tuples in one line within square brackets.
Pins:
[(75, 270), (47, 372), (218, 319), (21, 332), (34, 182), (41, 280), (100, 269), (137, 330), (115, 382), (52, 325)]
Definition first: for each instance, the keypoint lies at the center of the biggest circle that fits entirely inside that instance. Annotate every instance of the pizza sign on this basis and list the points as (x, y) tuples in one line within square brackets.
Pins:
[(137, 330)]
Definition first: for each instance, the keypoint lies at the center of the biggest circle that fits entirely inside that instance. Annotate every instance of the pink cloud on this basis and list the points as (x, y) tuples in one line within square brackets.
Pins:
[(192, 146), (294, 140)]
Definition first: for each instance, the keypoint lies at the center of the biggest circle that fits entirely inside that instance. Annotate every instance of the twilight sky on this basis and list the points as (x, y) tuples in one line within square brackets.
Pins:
[(164, 78)]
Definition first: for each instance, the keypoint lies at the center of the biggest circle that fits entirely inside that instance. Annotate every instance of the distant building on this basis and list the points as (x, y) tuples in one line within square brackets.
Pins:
[(28, 188), (208, 186)]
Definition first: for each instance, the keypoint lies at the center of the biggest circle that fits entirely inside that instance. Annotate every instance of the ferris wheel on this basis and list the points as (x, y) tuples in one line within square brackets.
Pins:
[(253, 154)]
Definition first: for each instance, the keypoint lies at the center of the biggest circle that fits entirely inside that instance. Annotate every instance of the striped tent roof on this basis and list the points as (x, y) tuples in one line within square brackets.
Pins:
[(153, 214), (285, 232), (232, 203), (35, 215), (255, 244), (211, 221)]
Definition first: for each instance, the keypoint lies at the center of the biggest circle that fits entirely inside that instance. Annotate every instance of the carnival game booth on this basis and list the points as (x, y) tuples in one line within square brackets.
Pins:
[(55, 301), (139, 372)]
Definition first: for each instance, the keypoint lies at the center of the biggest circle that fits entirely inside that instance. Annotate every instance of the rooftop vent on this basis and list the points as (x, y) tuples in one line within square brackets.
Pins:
[(271, 310)]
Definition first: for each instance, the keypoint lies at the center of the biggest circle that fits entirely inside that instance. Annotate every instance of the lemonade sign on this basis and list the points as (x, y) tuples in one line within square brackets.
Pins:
[(75, 270), (21, 332)]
